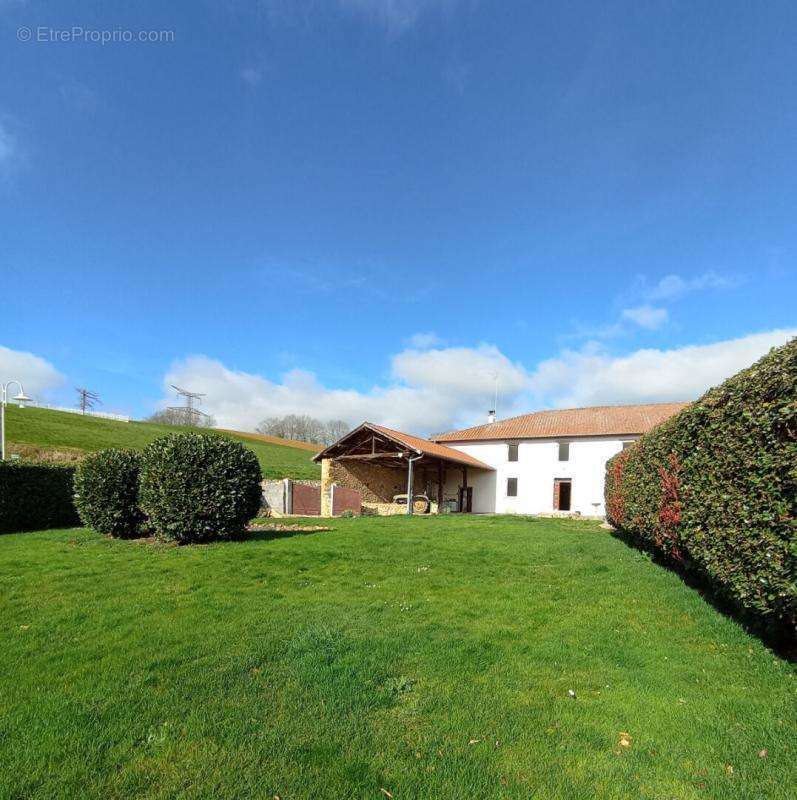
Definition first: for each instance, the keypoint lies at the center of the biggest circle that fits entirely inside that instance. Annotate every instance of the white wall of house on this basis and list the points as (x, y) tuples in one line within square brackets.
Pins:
[(484, 483), (536, 469)]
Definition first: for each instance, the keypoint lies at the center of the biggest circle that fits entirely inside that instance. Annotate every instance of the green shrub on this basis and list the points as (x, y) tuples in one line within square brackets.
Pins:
[(36, 496), (106, 492), (195, 488), (714, 489)]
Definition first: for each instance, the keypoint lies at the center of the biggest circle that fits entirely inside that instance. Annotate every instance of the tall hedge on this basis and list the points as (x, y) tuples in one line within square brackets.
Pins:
[(196, 488), (36, 496), (714, 489)]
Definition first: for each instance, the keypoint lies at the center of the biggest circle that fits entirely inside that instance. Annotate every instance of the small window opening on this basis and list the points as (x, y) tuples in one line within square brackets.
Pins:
[(564, 451), (512, 452), (511, 487)]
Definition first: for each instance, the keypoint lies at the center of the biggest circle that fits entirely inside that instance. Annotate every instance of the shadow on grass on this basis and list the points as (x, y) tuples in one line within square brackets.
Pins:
[(268, 533), (267, 536), (778, 637)]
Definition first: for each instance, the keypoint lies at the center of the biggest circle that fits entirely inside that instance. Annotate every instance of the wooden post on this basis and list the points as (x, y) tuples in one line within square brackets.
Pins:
[(463, 505), (440, 480)]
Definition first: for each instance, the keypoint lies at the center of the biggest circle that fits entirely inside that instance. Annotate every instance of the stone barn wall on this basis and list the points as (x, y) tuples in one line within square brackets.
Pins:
[(379, 484)]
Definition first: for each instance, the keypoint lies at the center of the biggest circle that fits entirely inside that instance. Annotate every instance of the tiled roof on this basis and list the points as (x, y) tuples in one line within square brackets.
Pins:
[(595, 421), (430, 448)]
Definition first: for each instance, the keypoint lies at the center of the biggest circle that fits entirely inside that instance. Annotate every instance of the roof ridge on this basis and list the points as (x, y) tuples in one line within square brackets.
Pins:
[(559, 410), (455, 454), (585, 421)]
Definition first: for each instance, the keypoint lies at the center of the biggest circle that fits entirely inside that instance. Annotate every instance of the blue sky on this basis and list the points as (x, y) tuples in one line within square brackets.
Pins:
[(378, 208)]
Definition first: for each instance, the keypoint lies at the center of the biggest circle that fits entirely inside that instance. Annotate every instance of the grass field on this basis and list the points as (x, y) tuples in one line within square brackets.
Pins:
[(53, 430), (424, 658)]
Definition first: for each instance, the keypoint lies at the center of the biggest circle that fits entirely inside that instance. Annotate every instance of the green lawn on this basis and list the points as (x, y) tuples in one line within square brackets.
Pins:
[(430, 658), (59, 429)]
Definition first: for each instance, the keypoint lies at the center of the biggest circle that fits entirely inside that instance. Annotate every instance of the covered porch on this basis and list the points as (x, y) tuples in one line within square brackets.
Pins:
[(386, 466)]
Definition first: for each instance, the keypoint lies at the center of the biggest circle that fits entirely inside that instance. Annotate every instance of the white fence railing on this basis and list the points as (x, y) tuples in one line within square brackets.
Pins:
[(101, 414)]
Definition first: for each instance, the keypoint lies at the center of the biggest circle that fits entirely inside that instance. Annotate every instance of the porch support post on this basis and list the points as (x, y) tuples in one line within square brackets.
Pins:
[(326, 487), (410, 463), (464, 502), (440, 480)]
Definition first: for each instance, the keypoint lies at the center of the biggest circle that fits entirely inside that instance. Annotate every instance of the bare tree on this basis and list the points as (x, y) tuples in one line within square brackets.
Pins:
[(86, 399), (336, 429), (179, 416), (303, 428)]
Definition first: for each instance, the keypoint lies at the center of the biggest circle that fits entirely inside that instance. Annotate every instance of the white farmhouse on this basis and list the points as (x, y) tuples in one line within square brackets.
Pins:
[(550, 461), (541, 463)]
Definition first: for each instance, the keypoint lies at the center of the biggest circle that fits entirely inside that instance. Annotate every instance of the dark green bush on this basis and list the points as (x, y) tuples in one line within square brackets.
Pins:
[(106, 492), (196, 488), (35, 496), (714, 489)]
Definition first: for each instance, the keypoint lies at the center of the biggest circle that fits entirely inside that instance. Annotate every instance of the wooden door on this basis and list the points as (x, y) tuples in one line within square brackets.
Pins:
[(562, 494)]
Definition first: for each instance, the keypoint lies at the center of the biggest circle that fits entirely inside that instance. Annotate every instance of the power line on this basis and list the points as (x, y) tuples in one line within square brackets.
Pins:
[(86, 399), (188, 414)]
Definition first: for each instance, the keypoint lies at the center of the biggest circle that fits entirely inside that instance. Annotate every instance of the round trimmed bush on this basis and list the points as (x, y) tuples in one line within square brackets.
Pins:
[(106, 492), (199, 487)]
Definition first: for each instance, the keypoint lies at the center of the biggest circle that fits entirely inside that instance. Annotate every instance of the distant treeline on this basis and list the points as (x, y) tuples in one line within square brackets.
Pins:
[(304, 428)]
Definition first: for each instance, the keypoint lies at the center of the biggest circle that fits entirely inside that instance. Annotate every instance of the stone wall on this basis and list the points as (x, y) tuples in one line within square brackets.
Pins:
[(379, 484)]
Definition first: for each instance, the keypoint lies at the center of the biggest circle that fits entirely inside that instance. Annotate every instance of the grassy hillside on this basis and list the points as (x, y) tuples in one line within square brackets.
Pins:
[(31, 430), (262, 437)]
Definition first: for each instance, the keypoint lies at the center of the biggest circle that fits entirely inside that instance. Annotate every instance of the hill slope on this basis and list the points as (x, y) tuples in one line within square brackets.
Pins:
[(38, 431)]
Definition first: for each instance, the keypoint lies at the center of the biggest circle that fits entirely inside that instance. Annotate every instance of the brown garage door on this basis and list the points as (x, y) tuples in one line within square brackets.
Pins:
[(306, 500), (344, 499)]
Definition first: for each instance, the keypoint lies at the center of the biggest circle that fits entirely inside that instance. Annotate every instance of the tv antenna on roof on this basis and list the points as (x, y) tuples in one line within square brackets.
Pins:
[(189, 414)]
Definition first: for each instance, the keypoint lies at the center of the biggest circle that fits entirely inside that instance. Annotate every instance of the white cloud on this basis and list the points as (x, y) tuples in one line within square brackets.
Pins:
[(593, 377), (462, 371), (423, 341), (672, 286), (430, 390), (646, 316), (35, 374), (439, 389), (669, 288)]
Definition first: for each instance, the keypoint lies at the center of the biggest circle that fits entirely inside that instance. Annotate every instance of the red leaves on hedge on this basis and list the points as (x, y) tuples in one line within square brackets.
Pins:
[(667, 538), (715, 488), (615, 503)]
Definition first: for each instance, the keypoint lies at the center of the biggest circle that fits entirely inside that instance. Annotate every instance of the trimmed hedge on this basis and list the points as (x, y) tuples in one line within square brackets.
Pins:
[(196, 488), (106, 492), (714, 490), (36, 496)]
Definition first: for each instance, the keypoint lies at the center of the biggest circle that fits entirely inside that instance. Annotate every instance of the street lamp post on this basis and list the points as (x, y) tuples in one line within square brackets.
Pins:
[(21, 399)]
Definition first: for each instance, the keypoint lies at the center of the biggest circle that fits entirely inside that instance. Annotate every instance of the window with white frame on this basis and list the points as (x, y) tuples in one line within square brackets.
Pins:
[(511, 487), (564, 451), (512, 451)]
